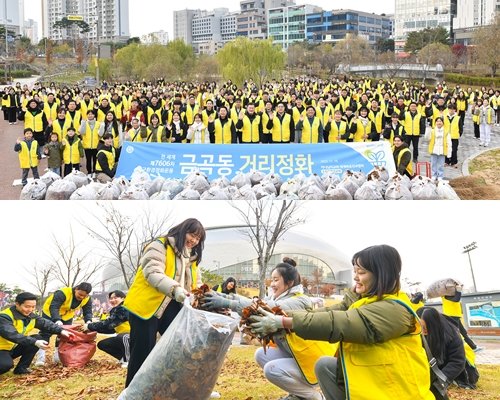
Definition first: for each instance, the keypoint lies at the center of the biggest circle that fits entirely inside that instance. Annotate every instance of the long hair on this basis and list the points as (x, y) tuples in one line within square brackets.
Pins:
[(384, 262), (190, 225), (224, 285)]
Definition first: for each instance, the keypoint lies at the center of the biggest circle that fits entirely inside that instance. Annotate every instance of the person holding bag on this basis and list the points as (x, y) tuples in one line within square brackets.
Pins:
[(168, 271)]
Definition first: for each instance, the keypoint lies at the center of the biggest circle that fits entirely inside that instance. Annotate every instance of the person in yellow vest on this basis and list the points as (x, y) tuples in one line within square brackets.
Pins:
[(310, 126), (35, 119), (445, 343), (16, 322), (281, 125), (417, 301), (393, 128), (168, 271), (486, 119), (226, 287), (373, 324), (452, 308), (12, 104), (60, 308), (223, 128), (289, 365), (29, 154), (414, 125), (117, 322), (250, 125), (91, 132), (452, 124), (402, 157), (362, 127), (439, 148), (106, 160), (72, 151)]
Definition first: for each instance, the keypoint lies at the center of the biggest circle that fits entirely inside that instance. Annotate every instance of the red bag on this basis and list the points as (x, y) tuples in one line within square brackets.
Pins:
[(79, 349)]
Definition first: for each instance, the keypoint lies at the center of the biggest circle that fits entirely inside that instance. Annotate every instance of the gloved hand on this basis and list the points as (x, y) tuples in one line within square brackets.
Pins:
[(180, 294), (85, 327), (66, 334), (212, 301), (42, 344), (267, 324), (417, 298), (60, 323)]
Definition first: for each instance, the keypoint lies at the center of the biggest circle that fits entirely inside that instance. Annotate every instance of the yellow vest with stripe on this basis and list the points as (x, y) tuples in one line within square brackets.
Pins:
[(142, 299), (66, 312), (250, 130), (409, 167), (71, 153), (110, 155), (281, 130), (310, 133), (34, 122), (307, 352), (412, 125), (20, 328), (451, 308), (453, 127), (223, 134), (395, 369), (337, 131), (28, 157), (91, 138)]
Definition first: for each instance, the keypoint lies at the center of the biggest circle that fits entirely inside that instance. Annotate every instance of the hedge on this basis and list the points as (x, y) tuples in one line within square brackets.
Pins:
[(21, 73), (472, 80)]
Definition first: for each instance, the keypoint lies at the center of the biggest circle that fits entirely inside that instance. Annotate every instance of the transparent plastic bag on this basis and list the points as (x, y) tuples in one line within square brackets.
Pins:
[(186, 361)]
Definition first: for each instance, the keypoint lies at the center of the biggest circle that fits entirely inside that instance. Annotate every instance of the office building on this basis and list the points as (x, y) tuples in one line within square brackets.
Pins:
[(30, 30), (183, 21), (211, 30), (12, 16), (251, 22), (287, 25), (108, 19), (333, 26), (416, 15), (471, 15)]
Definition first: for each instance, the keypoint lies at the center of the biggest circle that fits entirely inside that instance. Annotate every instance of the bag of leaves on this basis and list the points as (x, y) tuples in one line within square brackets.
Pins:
[(368, 191), (60, 190), (446, 192), (161, 196), (50, 177), (188, 194), (214, 193), (134, 192), (77, 350), (78, 177), (337, 193), (108, 192), (174, 186), (34, 190), (398, 191), (186, 361), (240, 179), (442, 287)]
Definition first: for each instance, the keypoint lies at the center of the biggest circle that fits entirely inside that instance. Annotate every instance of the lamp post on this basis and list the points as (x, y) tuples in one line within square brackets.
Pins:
[(467, 249)]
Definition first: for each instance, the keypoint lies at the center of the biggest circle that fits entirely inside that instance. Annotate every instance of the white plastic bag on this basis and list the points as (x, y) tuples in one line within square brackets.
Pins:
[(186, 361), (442, 287)]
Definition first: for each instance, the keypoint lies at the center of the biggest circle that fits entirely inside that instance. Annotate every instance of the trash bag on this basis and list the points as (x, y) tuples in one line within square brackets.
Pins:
[(380, 172), (446, 192), (186, 361), (109, 191), (398, 191), (349, 184), (49, 178), (368, 191), (221, 182), (215, 193), (139, 176), (34, 190), (60, 190), (442, 287), (330, 179), (161, 195), (197, 181), (77, 350), (290, 186), (357, 177), (424, 190), (275, 179), (264, 189), (134, 193), (255, 177), (337, 193), (156, 185), (240, 179), (244, 193), (78, 177), (188, 194), (315, 179), (86, 192), (174, 186), (311, 191), (121, 183)]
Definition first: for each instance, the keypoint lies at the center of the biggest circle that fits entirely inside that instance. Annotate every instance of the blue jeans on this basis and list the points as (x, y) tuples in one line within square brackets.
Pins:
[(56, 170), (437, 166)]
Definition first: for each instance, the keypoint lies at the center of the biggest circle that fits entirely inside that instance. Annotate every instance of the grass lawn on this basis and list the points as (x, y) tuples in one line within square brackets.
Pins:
[(240, 379)]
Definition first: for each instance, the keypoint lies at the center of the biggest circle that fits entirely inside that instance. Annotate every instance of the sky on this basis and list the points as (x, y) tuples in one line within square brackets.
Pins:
[(148, 16), (429, 235)]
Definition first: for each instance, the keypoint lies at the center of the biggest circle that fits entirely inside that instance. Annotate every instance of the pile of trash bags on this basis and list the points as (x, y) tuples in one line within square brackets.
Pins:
[(254, 185)]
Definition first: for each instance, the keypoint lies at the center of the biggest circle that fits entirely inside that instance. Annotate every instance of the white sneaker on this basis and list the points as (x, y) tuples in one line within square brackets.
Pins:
[(215, 395), (55, 357), (124, 364), (39, 363), (40, 358)]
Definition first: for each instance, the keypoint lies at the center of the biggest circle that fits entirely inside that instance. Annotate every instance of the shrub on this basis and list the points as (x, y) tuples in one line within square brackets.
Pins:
[(472, 80)]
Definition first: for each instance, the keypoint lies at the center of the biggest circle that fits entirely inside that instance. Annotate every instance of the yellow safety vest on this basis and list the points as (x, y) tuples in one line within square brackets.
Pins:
[(409, 167), (66, 312), (489, 117), (400, 363), (362, 131), (436, 113), (337, 131), (124, 327), (250, 130), (281, 130), (71, 153), (34, 122), (376, 118), (20, 328), (223, 134), (190, 113), (310, 133), (412, 125), (91, 138), (433, 139), (51, 110), (159, 132), (117, 109), (142, 299), (76, 121), (110, 155), (453, 127), (296, 114), (84, 107), (60, 130), (324, 116), (28, 158), (451, 308)]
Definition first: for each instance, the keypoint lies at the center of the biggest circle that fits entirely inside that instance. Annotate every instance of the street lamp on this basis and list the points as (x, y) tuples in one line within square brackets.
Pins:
[(467, 249)]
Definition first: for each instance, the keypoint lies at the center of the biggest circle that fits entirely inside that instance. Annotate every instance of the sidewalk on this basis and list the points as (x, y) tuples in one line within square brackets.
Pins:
[(491, 353)]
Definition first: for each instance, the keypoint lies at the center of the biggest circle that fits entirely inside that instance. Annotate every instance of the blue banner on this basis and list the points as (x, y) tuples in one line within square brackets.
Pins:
[(216, 160)]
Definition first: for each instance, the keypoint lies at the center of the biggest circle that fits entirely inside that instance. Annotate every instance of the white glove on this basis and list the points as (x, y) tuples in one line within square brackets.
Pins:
[(60, 323), (85, 327), (66, 334), (180, 294), (42, 344)]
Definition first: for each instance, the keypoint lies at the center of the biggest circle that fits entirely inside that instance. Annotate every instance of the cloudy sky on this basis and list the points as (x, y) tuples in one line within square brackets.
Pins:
[(430, 235), (153, 15)]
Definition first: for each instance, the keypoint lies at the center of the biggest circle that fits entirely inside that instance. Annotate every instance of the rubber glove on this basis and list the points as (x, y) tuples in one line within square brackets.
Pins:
[(212, 301), (267, 324)]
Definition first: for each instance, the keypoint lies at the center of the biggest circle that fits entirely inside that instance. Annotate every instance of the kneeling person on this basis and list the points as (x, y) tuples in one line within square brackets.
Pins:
[(106, 160), (117, 322), (16, 322)]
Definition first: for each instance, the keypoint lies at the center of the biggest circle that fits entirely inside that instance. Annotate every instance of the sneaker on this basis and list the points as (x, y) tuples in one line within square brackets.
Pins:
[(215, 395), (39, 363), (55, 357), (478, 349), (124, 364), (22, 371)]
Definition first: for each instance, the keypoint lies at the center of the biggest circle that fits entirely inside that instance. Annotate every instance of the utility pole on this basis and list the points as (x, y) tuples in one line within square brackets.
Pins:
[(467, 249), (6, 38), (97, 78)]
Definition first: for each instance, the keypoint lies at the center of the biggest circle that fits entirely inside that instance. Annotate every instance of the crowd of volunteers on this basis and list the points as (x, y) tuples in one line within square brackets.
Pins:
[(367, 346), (75, 127)]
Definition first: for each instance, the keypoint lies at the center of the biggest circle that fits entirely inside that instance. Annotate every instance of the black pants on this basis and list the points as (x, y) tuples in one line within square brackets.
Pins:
[(458, 323), (46, 335), (69, 167), (26, 352), (116, 346), (143, 336), (26, 171), (413, 140), (91, 157), (40, 138), (477, 133), (454, 150), (12, 114), (462, 121)]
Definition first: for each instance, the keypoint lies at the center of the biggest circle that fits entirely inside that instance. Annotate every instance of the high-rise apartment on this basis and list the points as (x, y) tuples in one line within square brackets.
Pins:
[(416, 15), (108, 19), (12, 15), (473, 14), (183, 21)]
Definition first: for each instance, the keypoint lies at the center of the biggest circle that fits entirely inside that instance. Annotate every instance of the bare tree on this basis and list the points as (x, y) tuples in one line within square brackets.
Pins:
[(72, 263), (267, 222), (123, 237), (40, 278)]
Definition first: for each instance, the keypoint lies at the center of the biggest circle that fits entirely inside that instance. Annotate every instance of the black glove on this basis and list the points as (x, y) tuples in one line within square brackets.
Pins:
[(417, 298)]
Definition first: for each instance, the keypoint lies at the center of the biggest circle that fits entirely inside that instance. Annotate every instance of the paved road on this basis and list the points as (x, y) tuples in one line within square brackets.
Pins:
[(10, 171)]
